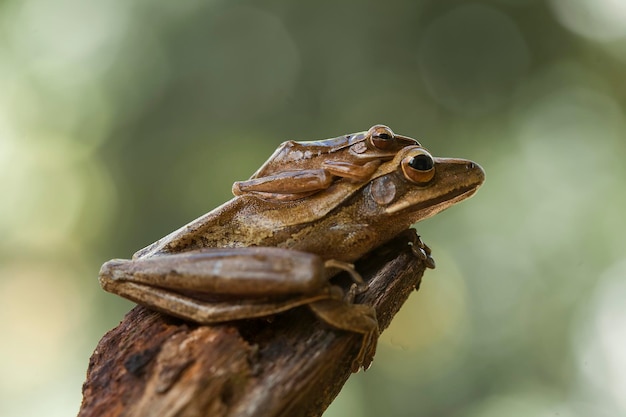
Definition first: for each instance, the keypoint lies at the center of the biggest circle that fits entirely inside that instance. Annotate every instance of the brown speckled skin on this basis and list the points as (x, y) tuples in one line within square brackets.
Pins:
[(342, 223), (354, 148), (299, 169)]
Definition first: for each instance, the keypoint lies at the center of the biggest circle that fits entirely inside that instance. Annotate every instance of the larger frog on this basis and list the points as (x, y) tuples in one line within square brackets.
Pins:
[(253, 257)]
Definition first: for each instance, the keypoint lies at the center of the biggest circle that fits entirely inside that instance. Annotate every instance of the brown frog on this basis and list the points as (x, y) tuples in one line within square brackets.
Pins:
[(255, 256)]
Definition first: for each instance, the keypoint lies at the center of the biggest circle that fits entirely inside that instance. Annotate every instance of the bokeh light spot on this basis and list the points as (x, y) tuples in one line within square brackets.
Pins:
[(600, 339), (471, 57), (255, 51), (41, 306), (65, 37), (601, 20)]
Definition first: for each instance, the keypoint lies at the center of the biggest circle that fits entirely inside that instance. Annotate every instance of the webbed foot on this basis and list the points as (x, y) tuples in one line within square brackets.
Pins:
[(358, 318), (421, 250)]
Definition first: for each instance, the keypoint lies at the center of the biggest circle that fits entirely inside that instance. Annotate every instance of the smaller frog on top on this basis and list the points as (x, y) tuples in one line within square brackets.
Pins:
[(299, 169)]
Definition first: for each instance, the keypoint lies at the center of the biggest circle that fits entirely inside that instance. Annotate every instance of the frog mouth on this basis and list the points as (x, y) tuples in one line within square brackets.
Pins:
[(434, 205), (456, 179)]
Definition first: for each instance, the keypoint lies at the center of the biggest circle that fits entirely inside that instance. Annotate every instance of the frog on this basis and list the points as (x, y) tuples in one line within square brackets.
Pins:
[(254, 257), (297, 169)]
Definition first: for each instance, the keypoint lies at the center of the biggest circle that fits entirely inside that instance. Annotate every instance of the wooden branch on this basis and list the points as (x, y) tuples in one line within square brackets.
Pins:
[(289, 365)]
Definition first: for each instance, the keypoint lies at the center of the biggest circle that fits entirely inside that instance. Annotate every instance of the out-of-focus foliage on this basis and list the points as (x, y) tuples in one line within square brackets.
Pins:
[(122, 120)]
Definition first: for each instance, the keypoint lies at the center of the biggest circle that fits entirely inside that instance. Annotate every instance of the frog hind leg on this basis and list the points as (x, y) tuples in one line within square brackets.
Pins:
[(249, 272), (202, 311), (297, 182), (358, 318), (213, 285), (353, 172)]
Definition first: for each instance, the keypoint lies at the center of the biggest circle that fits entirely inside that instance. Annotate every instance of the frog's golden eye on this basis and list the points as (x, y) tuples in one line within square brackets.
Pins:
[(419, 167), (381, 137)]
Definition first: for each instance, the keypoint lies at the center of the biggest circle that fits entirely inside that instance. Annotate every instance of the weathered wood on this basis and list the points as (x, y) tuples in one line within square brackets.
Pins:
[(287, 365)]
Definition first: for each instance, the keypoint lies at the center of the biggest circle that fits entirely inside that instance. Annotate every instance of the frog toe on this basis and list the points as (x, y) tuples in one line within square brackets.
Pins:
[(358, 318), (367, 351)]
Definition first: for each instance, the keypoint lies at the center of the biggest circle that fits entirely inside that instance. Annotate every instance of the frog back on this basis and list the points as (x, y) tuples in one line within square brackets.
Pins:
[(292, 155)]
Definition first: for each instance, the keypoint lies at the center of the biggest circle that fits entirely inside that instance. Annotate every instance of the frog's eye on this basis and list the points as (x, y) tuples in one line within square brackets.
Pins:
[(381, 137), (419, 167)]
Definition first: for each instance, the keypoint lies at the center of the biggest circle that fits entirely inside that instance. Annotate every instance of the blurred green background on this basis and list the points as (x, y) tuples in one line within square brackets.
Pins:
[(123, 120)]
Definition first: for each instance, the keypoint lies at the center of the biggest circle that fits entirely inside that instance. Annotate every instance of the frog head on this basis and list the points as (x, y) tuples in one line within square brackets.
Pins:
[(412, 187)]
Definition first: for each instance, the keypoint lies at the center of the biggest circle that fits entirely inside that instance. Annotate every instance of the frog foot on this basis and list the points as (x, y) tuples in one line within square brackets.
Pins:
[(362, 286), (351, 294), (421, 250), (358, 318), (367, 351)]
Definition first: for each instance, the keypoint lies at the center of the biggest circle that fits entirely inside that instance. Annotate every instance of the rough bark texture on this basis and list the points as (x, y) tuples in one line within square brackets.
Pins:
[(287, 365)]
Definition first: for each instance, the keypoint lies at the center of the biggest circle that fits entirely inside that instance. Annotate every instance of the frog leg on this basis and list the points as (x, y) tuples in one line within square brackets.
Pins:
[(298, 182), (257, 272), (344, 315), (349, 268), (353, 172), (358, 318), (420, 249), (221, 284), (193, 308)]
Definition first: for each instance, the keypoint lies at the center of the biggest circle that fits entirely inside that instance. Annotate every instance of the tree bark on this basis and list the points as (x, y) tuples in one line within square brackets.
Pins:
[(290, 364)]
